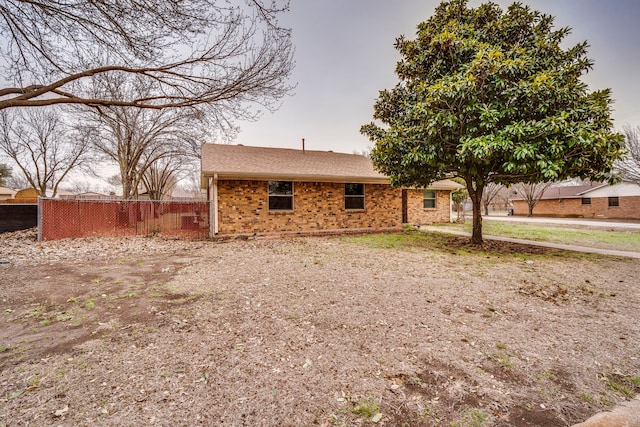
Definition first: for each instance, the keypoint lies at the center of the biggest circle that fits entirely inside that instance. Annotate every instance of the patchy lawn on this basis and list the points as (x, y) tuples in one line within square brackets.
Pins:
[(582, 235), (414, 329)]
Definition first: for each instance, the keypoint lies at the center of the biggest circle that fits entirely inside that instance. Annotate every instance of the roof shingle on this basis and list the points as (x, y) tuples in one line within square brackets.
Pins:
[(244, 162), (247, 162)]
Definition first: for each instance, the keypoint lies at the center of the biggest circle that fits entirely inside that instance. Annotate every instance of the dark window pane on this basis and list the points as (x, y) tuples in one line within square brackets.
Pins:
[(613, 201), (586, 200), (429, 203), (280, 203), (280, 187), (354, 189), (354, 196), (354, 202), (429, 197)]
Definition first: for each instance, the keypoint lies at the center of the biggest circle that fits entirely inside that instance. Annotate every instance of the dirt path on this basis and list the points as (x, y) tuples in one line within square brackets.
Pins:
[(372, 330)]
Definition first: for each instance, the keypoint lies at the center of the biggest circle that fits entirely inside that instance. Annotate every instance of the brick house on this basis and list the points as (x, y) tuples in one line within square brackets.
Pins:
[(589, 200), (275, 190), (6, 193)]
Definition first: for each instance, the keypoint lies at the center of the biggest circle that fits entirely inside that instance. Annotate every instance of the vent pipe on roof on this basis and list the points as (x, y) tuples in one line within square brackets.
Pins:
[(303, 145)]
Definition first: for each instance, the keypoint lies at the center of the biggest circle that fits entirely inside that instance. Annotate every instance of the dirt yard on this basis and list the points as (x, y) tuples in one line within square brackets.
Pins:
[(410, 329)]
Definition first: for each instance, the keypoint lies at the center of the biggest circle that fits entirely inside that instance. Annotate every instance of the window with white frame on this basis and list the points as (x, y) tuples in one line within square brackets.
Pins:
[(353, 196), (429, 199), (280, 195)]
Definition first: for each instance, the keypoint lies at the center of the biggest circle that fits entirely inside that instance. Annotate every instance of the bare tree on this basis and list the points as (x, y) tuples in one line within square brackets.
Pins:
[(491, 190), (459, 197), (17, 182), (629, 165), (190, 183), (162, 177), (82, 186), (142, 141), (531, 193), (42, 146), (194, 52)]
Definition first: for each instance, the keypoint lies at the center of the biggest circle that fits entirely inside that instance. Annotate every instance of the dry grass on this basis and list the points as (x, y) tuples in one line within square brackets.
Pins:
[(399, 329)]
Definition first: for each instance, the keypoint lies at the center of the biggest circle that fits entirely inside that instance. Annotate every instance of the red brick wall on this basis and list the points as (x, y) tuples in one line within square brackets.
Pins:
[(417, 214), (599, 208), (243, 207)]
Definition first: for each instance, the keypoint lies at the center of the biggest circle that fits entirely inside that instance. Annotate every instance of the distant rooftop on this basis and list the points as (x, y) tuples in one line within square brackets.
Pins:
[(563, 191)]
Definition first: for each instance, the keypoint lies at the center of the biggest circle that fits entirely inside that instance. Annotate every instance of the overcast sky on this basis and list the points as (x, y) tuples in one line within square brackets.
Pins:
[(345, 55)]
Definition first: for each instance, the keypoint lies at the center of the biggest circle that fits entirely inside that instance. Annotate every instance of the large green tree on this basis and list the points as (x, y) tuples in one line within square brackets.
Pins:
[(491, 96)]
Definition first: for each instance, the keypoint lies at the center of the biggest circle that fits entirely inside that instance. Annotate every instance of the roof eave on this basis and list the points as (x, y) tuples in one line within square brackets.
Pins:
[(246, 176), (591, 189)]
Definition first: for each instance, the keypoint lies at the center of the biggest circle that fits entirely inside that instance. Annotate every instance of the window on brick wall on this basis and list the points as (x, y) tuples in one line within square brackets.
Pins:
[(353, 196), (280, 195), (586, 200), (613, 202), (429, 199)]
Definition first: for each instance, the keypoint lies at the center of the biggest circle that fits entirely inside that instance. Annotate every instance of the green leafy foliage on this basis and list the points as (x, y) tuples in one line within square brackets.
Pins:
[(491, 96)]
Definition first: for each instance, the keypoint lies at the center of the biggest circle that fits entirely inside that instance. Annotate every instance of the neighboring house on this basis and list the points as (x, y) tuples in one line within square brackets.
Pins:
[(6, 193), (276, 190), (30, 195), (25, 196), (181, 194), (590, 200), (177, 194), (90, 195)]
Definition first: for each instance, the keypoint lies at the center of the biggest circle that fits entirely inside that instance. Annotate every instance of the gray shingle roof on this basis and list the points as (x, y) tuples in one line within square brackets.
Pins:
[(247, 162), (564, 191), (244, 162)]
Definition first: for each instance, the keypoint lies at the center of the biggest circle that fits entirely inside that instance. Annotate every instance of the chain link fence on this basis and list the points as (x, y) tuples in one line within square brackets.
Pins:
[(63, 218)]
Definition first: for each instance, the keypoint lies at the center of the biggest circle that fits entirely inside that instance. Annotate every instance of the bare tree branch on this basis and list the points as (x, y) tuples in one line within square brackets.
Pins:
[(141, 141), (629, 165), (531, 193), (193, 52), (42, 146), (491, 190), (161, 177)]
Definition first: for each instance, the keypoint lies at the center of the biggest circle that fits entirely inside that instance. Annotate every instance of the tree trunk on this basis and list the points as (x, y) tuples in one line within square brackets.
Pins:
[(486, 209), (476, 203), (476, 234), (530, 210)]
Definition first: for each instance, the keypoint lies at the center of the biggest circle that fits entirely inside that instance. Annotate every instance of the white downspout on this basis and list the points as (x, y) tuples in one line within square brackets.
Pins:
[(211, 209), (215, 204), (450, 205)]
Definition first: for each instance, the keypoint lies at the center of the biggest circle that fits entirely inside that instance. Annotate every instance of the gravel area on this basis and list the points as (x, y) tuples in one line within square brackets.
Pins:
[(406, 329)]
